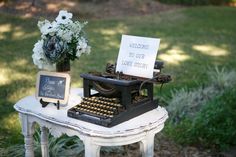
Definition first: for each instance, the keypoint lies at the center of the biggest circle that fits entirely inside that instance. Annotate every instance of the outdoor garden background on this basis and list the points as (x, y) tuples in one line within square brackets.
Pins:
[(198, 46)]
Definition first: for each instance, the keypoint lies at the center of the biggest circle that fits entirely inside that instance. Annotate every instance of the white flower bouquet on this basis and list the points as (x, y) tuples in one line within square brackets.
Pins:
[(61, 41)]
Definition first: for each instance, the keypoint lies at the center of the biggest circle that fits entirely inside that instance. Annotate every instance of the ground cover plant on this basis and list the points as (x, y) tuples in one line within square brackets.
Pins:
[(192, 40), (206, 115)]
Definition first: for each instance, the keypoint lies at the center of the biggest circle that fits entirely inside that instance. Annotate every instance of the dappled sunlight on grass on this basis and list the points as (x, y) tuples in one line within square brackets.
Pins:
[(11, 122), (119, 29), (3, 29), (18, 32), (15, 32), (211, 50), (12, 129), (109, 33), (4, 76), (20, 93), (174, 56), (163, 46), (10, 73)]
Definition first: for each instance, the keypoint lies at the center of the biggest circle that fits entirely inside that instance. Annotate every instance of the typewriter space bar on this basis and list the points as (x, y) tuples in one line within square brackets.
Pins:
[(91, 117)]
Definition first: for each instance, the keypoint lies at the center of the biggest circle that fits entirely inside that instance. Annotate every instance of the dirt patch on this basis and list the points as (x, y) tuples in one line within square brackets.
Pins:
[(104, 9), (164, 147)]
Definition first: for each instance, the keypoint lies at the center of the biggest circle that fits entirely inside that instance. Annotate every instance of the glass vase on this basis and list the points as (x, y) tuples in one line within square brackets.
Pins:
[(63, 66)]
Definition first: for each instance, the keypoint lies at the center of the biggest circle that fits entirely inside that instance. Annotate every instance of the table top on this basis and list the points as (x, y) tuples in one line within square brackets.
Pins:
[(147, 121)]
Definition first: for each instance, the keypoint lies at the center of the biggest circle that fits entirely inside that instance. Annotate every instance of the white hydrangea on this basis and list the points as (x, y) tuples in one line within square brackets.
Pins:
[(76, 27), (39, 58), (65, 34), (82, 47)]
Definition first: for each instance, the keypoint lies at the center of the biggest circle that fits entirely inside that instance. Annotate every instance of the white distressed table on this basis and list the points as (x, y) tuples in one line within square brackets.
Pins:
[(140, 129)]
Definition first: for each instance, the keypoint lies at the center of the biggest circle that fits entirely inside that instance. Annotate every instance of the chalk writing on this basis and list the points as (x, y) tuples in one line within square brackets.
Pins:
[(52, 87)]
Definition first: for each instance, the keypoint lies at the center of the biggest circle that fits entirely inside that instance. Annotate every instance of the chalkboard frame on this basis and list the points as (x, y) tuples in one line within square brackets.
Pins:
[(64, 76)]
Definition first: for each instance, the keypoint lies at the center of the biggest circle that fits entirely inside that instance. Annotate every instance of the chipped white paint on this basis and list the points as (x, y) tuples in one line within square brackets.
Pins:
[(139, 129)]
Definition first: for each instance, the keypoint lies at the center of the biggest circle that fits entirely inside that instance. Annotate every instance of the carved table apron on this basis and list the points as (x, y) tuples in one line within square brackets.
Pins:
[(140, 129)]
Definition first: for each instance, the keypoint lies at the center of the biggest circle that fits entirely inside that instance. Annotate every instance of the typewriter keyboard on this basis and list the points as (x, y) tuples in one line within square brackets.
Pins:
[(100, 107)]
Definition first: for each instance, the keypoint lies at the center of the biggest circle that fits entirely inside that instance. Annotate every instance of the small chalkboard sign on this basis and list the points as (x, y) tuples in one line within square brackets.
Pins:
[(53, 87)]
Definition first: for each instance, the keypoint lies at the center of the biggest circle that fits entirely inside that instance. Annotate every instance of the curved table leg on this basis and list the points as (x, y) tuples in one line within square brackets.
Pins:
[(91, 149), (147, 145), (27, 131), (44, 142)]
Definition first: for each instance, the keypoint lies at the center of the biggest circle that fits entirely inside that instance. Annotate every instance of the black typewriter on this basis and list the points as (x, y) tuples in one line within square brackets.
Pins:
[(119, 97)]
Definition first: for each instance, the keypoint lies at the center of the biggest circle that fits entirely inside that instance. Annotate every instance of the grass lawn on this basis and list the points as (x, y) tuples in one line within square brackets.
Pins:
[(192, 41)]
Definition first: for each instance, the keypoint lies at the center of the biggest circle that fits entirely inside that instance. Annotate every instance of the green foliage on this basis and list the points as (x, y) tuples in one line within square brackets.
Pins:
[(185, 103), (198, 2), (58, 147), (213, 123), (213, 127), (216, 123)]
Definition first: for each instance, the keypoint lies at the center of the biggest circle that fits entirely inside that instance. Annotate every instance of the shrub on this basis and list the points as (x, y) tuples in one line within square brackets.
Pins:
[(185, 103), (198, 2), (205, 116), (216, 123), (213, 127)]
